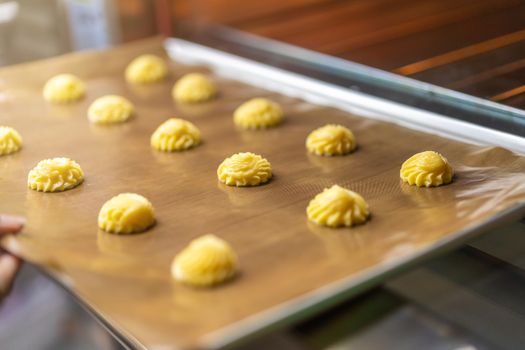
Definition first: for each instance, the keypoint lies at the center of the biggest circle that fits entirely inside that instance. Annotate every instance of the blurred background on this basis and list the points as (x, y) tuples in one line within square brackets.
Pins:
[(472, 46)]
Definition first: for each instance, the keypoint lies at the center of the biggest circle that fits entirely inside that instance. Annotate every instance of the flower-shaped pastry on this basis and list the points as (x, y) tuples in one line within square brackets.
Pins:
[(146, 69), (55, 175), (427, 169), (10, 140), (331, 140), (244, 169), (193, 88), (126, 213), (206, 261), (336, 206), (175, 135), (64, 88), (110, 109), (258, 113)]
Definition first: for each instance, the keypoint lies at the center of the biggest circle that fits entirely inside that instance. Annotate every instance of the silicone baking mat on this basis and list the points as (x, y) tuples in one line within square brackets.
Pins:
[(287, 265)]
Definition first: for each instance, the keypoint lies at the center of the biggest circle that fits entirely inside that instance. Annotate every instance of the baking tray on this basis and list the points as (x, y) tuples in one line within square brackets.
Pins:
[(289, 267)]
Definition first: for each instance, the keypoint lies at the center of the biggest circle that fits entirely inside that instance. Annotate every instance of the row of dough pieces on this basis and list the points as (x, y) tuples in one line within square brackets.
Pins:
[(209, 260)]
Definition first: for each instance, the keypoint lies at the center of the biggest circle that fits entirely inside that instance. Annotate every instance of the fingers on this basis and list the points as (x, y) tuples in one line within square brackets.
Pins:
[(11, 223), (9, 266)]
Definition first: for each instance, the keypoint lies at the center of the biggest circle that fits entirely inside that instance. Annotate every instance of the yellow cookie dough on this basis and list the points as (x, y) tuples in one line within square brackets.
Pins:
[(55, 175), (331, 140), (126, 213), (10, 140), (336, 206), (110, 109), (244, 169), (206, 261), (193, 88), (258, 113), (146, 69), (175, 135), (64, 88), (427, 169)]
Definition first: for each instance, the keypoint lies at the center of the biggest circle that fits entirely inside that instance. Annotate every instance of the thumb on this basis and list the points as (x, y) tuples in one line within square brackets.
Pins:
[(9, 266), (11, 223)]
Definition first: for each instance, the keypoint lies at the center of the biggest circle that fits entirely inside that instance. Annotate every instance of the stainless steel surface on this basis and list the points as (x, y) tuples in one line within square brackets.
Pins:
[(39, 315), (474, 290), (409, 328), (507, 245)]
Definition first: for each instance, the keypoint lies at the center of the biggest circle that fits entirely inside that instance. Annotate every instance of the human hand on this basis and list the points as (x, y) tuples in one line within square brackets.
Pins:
[(9, 264)]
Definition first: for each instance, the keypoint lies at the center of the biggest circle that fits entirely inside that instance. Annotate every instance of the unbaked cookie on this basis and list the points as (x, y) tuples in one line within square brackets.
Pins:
[(110, 109), (175, 135), (336, 206), (428, 169), (244, 169), (10, 140), (331, 140), (55, 175), (64, 88), (193, 88), (258, 113), (126, 213), (206, 261), (146, 69)]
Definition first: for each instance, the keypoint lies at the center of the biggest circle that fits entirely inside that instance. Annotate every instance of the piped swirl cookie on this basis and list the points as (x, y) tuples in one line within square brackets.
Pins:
[(244, 169), (193, 88), (126, 213), (336, 206), (426, 169), (55, 175), (258, 113), (175, 135), (110, 109), (10, 140), (64, 88), (331, 140), (206, 261), (146, 69)]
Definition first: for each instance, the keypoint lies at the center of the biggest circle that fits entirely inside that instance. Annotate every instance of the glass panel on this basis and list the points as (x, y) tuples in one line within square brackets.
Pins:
[(461, 58)]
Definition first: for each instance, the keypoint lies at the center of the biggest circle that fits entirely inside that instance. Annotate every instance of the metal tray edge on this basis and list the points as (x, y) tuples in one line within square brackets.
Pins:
[(322, 93), (319, 92), (316, 301)]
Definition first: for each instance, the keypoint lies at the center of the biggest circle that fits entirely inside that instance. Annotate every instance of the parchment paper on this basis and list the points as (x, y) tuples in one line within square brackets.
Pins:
[(286, 263)]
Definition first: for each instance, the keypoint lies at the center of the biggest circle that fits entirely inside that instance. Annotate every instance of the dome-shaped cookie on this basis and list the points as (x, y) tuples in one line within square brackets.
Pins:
[(126, 213), (258, 113), (146, 69), (193, 88), (206, 261), (331, 140), (336, 206), (175, 135), (244, 169), (64, 88), (10, 140), (428, 169), (110, 109), (55, 175)]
